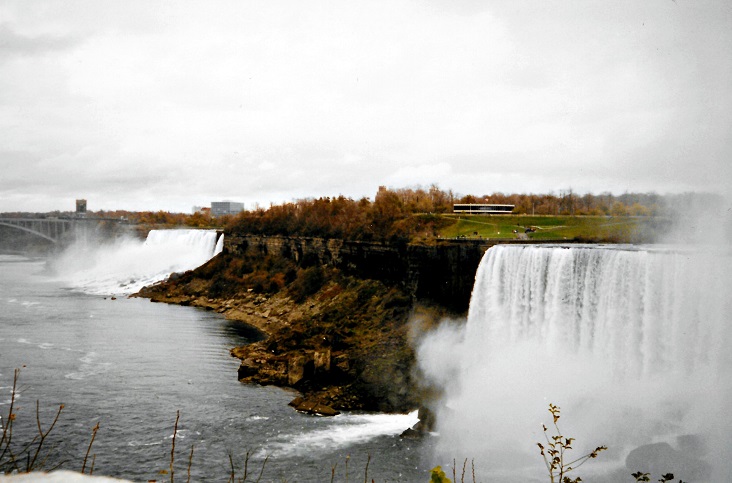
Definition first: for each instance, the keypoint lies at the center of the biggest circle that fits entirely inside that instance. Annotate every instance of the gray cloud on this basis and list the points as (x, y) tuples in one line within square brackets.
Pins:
[(13, 44), (166, 108)]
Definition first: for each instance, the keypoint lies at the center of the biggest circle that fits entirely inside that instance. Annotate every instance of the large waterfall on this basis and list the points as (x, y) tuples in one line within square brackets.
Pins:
[(127, 265), (633, 343)]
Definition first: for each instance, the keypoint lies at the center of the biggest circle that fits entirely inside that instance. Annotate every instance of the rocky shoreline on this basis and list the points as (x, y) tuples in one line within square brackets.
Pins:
[(344, 347), (268, 315)]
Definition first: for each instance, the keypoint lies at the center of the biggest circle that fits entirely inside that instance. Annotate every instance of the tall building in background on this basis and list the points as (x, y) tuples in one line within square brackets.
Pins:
[(81, 208), (219, 208)]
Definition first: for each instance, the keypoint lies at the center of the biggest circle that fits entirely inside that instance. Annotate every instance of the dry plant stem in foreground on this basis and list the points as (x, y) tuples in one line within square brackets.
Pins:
[(42, 435), (438, 476), (7, 426), (232, 475), (555, 451), (11, 460), (94, 435), (462, 475), (172, 449), (172, 453), (366, 472), (190, 463)]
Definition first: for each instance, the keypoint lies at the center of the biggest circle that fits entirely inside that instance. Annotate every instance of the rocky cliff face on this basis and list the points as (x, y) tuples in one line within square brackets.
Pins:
[(442, 273)]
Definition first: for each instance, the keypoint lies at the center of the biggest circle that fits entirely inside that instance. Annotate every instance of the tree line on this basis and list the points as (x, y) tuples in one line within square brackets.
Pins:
[(399, 214), (402, 213)]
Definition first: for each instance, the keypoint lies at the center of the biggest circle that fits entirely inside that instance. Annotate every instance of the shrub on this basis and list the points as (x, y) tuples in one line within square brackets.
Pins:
[(308, 282), (438, 476), (219, 288), (555, 452)]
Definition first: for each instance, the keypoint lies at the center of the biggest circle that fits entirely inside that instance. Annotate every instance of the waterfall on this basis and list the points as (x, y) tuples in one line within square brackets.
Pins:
[(643, 312), (194, 244), (632, 342), (219, 245), (127, 265)]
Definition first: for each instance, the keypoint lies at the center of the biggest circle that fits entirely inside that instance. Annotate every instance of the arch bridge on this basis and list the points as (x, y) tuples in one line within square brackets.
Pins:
[(57, 230)]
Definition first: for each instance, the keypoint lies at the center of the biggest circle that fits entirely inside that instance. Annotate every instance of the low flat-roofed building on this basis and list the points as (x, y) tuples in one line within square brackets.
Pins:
[(482, 209), (219, 208)]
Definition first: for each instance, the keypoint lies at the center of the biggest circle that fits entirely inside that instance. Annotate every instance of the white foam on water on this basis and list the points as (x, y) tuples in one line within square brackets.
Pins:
[(59, 476), (44, 345), (89, 367), (128, 265), (88, 358), (179, 434), (342, 431)]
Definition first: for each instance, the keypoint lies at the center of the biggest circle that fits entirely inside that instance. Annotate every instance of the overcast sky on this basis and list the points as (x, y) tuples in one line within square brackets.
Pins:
[(144, 105)]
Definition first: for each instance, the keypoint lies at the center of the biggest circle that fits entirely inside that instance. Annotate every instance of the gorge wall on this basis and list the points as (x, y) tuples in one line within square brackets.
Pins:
[(442, 273)]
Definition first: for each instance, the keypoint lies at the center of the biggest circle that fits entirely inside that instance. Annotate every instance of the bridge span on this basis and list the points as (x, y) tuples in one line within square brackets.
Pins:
[(60, 230)]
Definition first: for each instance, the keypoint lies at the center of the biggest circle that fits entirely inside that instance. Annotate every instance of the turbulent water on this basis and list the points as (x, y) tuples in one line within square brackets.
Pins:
[(632, 343), (131, 365)]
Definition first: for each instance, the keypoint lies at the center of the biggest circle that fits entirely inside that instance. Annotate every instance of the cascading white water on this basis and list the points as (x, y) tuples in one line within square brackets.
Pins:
[(631, 342), (127, 265)]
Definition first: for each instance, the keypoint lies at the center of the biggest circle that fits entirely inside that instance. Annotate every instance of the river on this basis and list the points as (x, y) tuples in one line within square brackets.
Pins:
[(632, 343), (131, 365)]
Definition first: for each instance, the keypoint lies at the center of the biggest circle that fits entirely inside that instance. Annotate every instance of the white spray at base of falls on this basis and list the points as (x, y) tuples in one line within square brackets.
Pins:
[(126, 265), (632, 343)]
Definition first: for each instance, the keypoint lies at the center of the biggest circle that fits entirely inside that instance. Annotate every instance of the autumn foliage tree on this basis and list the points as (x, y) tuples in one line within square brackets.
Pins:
[(409, 213)]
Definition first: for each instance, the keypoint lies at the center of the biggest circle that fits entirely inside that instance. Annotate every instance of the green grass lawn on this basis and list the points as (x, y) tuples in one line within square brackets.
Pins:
[(590, 228)]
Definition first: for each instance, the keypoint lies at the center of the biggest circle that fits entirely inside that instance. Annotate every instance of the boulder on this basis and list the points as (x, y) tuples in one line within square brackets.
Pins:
[(322, 361), (174, 277), (295, 369), (312, 407), (247, 368), (411, 433), (424, 426), (296, 402)]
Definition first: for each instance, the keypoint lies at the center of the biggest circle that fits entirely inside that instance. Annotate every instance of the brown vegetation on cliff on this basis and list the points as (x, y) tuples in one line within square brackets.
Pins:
[(413, 214), (387, 218)]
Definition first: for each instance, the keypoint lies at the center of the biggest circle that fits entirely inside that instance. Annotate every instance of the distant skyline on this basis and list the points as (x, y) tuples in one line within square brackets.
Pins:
[(166, 105)]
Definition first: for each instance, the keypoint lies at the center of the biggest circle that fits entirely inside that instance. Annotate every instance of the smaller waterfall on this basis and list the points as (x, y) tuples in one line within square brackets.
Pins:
[(633, 343), (127, 265)]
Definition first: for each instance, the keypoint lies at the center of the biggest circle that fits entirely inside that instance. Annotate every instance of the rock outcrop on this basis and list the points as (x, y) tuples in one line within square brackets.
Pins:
[(345, 346), (335, 323), (312, 407)]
